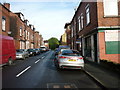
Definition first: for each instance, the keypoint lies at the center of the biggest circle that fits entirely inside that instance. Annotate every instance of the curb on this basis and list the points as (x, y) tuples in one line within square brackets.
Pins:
[(98, 82)]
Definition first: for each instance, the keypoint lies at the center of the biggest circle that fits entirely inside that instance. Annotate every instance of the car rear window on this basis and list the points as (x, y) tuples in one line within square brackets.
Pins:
[(70, 53)]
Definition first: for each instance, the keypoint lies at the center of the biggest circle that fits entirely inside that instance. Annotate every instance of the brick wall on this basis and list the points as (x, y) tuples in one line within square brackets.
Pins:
[(5, 13), (103, 56), (106, 21), (93, 17)]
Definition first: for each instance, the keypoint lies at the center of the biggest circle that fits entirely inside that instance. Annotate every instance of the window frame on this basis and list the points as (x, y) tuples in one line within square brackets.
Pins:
[(87, 12), (20, 31), (3, 23)]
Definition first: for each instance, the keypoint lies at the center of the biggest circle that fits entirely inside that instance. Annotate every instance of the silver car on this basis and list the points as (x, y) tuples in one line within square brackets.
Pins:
[(69, 59), (21, 54)]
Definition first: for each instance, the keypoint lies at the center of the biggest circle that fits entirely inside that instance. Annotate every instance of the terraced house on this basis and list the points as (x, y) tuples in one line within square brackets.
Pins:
[(95, 28), (16, 26), (5, 19)]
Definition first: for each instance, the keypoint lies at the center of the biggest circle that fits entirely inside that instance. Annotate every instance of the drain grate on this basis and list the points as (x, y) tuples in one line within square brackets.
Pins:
[(61, 85)]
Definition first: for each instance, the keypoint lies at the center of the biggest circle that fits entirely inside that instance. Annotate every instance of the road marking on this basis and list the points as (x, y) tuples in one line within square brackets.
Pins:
[(43, 57), (37, 61), (23, 71)]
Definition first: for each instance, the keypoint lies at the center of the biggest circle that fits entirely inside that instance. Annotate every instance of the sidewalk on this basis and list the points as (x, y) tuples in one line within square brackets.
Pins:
[(106, 76)]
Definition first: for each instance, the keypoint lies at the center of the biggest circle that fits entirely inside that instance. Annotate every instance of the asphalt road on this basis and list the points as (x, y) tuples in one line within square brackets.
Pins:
[(39, 72)]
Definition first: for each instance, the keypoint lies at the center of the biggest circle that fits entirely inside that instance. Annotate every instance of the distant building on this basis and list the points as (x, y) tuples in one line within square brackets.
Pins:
[(63, 40), (46, 43), (68, 34)]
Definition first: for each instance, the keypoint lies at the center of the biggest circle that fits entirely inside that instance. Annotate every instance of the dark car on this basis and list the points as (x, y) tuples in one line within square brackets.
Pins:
[(31, 52), (57, 50), (37, 51)]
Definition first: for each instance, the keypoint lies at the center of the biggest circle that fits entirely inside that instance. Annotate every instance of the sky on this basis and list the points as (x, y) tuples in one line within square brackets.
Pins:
[(48, 17)]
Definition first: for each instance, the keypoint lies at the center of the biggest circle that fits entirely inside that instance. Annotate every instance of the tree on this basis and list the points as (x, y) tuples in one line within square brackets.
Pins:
[(53, 43)]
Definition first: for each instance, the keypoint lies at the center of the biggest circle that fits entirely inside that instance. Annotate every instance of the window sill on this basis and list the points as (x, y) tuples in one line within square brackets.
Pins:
[(88, 24), (111, 16), (4, 30)]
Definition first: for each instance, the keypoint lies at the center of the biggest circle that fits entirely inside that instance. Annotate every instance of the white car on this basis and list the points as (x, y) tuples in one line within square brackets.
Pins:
[(69, 59), (21, 54)]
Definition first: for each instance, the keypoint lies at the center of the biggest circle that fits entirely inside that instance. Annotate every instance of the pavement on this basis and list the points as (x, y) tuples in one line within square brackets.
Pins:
[(110, 79)]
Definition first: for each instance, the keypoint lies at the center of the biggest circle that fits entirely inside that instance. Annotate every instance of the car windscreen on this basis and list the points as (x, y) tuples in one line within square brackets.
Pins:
[(19, 50), (70, 53)]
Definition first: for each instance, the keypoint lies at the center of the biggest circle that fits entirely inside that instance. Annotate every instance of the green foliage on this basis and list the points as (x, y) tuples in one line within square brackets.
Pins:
[(53, 43)]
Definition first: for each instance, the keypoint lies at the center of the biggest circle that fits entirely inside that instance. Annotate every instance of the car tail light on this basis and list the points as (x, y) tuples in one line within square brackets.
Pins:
[(81, 58), (62, 57)]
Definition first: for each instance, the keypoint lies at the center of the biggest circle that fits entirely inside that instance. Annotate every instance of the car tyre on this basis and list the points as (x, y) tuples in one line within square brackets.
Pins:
[(10, 61), (23, 57)]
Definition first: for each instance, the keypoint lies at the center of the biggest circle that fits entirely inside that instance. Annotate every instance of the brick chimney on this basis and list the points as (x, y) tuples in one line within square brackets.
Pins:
[(7, 5)]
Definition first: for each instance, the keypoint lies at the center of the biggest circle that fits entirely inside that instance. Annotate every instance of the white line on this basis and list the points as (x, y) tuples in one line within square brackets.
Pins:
[(43, 57), (37, 61), (23, 71)]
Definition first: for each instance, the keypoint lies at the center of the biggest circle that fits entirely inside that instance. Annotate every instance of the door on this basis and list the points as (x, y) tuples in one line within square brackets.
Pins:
[(95, 48)]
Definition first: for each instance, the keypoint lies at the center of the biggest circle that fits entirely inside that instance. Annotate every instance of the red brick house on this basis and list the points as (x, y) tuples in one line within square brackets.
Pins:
[(68, 34), (5, 19), (17, 28), (97, 29), (36, 39)]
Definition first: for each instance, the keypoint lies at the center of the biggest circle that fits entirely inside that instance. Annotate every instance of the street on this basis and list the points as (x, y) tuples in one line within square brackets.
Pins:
[(39, 72)]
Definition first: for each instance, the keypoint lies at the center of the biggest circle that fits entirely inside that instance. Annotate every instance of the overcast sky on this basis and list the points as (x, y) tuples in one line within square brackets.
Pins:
[(48, 18)]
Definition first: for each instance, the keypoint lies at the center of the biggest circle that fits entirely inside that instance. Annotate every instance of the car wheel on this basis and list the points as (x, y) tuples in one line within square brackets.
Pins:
[(23, 57), (10, 61)]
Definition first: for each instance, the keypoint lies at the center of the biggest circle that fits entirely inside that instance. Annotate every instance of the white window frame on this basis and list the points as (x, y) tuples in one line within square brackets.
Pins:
[(79, 23), (87, 8), (82, 21), (3, 24), (110, 7), (26, 34), (72, 31), (20, 31)]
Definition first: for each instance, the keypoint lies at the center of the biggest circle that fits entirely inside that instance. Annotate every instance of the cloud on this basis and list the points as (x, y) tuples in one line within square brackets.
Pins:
[(47, 17)]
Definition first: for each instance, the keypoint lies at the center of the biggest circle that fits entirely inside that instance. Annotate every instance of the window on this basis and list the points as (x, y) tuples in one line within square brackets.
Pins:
[(79, 22), (74, 27), (28, 35), (3, 23), (72, 31), (82, 20), (20, 31), (87, 14), (110, 7)]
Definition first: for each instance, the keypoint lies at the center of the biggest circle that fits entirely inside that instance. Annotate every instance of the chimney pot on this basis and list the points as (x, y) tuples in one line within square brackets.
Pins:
[(7, 5)]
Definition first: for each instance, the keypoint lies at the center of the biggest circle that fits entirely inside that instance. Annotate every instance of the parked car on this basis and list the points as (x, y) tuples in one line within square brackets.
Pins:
[(37, 51), (7, 50), (69, 59), (57, 50), (31, 52), (21, 54), (43, 49)]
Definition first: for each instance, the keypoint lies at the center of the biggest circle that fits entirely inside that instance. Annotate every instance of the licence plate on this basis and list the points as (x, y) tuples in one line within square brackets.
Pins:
[(71, 60)]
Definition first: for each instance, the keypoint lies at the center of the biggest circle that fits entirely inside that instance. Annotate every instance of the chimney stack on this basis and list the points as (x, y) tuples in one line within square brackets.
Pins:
[(7, 5)]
